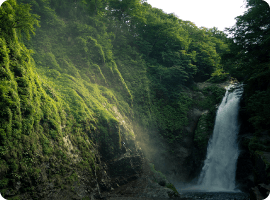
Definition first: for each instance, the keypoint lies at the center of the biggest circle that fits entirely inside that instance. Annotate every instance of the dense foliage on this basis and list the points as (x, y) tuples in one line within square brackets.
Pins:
[(81, 70), (250, 58), (213, 96), (251, 61)]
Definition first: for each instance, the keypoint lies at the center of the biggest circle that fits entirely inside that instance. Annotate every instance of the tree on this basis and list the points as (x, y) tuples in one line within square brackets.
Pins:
[(209, 45), (251, 36), (17, 16)]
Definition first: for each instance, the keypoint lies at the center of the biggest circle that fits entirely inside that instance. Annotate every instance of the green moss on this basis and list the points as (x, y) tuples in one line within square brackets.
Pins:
[(171, 186), (80, 79), (202, 131), (258, 107), (86, 198), (212, 97)]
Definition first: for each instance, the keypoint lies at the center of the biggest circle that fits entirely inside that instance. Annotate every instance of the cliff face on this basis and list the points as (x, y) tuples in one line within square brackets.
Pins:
[(181, 160), (253, 163), (62, 136), (87, 109)]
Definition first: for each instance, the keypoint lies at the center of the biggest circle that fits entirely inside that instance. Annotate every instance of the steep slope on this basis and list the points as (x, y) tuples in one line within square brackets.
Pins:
[(94, 87), (53, 126)]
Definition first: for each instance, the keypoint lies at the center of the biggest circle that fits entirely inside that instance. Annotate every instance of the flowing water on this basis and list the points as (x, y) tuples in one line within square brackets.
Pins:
[(218, 172), (217, 178)]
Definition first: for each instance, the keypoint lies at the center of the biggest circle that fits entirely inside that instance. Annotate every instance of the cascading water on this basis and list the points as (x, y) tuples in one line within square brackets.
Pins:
[(218, 172)]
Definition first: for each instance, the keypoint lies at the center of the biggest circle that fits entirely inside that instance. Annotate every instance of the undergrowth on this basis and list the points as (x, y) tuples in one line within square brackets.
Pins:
[(212, 98), (79, 80)]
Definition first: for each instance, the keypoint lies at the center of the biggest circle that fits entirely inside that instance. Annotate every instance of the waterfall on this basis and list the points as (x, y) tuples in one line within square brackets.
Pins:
[(218, 172)]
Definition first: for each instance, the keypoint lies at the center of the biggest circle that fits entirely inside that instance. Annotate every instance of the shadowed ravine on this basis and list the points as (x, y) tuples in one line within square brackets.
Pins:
[(218, 172), (117, 98), (217, 178)]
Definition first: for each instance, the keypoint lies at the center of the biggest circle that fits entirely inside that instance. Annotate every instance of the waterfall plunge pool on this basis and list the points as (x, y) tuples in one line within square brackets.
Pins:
[(217, 178)]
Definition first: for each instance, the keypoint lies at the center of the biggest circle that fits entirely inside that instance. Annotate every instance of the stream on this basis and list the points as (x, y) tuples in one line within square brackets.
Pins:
[(214, 195)]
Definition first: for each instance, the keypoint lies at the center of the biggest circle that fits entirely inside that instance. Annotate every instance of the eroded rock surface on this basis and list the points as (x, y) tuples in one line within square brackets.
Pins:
[(147, 185)]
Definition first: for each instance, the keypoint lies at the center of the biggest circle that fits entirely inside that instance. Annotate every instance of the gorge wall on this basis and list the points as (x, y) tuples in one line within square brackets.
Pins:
[(181, 161), (95, 101), (253, 163)]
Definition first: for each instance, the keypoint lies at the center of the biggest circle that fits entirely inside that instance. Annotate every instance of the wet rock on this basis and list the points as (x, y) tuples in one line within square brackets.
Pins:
[(255, 194), (104, 186), (162, 183), (125, 169), (244, 172), (145, 186)]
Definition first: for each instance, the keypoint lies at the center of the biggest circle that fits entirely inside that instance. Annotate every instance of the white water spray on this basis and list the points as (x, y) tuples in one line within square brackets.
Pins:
[(218, 172)]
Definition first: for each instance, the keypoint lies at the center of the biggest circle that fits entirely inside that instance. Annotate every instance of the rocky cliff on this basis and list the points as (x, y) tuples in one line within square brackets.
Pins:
[(181, 161), (253, 163), (93, 106)]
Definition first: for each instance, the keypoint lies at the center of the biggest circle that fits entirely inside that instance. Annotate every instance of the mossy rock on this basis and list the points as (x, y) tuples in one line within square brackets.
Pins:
[(174, 193)]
